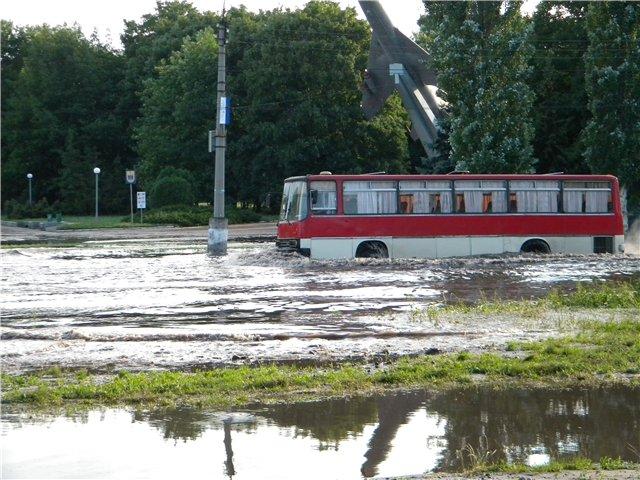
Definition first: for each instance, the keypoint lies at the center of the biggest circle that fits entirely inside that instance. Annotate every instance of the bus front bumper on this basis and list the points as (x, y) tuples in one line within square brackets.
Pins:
[(289, 245)]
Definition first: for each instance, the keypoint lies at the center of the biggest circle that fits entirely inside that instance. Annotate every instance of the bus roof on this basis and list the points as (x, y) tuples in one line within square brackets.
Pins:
[(465, 176)]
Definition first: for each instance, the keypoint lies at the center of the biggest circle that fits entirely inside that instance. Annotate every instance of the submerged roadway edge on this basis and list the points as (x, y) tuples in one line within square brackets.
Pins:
[(241, 232)]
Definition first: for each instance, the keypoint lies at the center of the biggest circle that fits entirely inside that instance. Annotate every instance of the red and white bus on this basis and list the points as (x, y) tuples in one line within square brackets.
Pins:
[(433, 216)]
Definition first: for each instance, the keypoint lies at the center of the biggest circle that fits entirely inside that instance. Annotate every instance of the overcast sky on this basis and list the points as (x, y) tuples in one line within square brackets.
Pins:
[(107, 16)]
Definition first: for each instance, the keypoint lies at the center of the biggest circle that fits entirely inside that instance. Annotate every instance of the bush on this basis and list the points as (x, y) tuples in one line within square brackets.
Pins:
[(171, 190), (242, 216), (14, 209), (182, 216), (178, 215)]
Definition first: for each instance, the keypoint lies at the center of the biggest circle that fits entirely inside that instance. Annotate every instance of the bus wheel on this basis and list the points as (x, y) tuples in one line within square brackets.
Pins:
[(372, 249), (535, 245)]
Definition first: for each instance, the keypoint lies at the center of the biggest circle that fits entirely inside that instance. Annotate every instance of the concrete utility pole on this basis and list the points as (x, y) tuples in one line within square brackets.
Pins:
[(218, 225)]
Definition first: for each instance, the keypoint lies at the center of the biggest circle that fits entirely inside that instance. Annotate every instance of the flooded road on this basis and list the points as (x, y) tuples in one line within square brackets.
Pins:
[(166, 304), (397, 434)]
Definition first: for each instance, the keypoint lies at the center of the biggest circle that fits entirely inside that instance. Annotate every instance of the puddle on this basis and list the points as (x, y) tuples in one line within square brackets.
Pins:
[(398, 434), (166, 304)]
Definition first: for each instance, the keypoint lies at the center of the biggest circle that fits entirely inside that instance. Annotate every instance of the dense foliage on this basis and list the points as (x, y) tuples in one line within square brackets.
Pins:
[(612, 135), (482, 53), (560, 110), (59, 118), (554, 92)]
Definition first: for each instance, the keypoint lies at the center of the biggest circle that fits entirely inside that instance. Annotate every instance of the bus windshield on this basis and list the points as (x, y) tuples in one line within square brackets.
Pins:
[(294, 201)]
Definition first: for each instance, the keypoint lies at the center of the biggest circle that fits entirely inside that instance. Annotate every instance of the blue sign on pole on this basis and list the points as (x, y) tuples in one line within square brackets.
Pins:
[(225, 111)]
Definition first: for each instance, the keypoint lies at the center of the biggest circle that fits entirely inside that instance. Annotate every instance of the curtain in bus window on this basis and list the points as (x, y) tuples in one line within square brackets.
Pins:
[(420, 198), (387, 196), (367, 202), (526, 196), (597, 201), (498, 195), (473, 201), (547, 195), (572, 201), (421, 202), (445, 196), (473, 197), (371, 198), (387, 202)]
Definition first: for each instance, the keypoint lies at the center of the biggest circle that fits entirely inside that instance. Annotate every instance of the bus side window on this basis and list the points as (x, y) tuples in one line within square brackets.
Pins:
[(406, 203), (460, 203), (324, 200), (350, 204), (487, 203), (513, 202)]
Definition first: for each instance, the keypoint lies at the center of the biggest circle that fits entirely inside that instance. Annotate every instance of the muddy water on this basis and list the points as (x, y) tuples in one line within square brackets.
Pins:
[(398, 434), (160, 304)]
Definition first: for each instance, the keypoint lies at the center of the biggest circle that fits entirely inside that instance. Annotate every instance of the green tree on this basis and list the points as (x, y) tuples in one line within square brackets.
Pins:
[(12, 42), (153, 39), (178, 110), (560, 110), (481, 51), (66, 91), (301, 108), (293, 78), (612, 136)]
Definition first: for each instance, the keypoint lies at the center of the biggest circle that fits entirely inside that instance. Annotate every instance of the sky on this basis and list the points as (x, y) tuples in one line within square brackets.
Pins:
[(106, 17)]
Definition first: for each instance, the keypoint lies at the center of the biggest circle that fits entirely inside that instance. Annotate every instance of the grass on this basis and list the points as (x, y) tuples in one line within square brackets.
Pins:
[(556, 466), (103, 221), (597, 295), (597, 354), (158, 217)]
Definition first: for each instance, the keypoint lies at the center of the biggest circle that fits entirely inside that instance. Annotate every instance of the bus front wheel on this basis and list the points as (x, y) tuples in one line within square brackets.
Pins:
[(535, 245), (372, 249)]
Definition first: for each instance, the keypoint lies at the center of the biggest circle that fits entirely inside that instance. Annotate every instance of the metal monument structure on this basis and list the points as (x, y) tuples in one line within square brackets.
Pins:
[(398, 63)]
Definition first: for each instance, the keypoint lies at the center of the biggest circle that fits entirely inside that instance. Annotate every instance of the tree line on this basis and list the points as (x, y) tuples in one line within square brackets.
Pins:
[(557, 91)]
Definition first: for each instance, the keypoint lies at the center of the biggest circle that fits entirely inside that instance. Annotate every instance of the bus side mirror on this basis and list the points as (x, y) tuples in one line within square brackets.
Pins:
[(314, 196)]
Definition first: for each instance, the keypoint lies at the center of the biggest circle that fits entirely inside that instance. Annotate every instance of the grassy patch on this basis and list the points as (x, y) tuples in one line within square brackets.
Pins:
[(104, 221), (600, 350), (597, 295), (556, 466)]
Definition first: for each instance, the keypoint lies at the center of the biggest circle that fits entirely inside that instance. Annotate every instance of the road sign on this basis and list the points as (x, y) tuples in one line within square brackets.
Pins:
[(225, 111), (142, 200), (130, 176)]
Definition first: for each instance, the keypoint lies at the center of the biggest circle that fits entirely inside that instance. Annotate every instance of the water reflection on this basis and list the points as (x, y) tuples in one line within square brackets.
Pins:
[(396, 434)]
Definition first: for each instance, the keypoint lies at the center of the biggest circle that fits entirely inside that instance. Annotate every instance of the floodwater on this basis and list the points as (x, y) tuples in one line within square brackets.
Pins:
[(397, 434), (166, 304)]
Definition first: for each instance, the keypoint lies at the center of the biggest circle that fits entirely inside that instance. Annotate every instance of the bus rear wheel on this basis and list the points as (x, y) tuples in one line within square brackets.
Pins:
[(535, 245), (372, 249)]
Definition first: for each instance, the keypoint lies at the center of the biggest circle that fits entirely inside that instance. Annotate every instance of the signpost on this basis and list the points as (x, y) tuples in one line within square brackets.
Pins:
[(130, 177), (142, 202)]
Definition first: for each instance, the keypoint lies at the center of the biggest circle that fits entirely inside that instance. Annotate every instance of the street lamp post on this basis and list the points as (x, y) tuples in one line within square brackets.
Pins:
[(97, 172), (29, 178)]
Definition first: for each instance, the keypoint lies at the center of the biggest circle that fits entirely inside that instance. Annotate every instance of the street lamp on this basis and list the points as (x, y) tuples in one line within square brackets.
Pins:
[(29, 178), (97, 172)]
